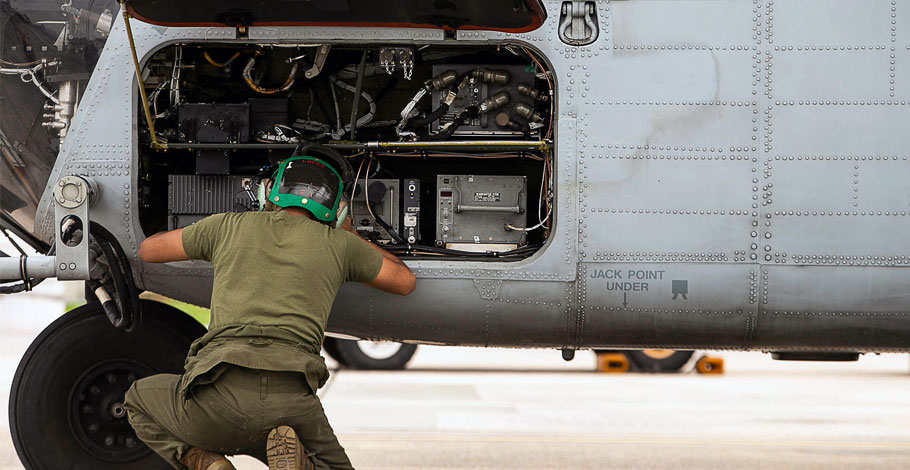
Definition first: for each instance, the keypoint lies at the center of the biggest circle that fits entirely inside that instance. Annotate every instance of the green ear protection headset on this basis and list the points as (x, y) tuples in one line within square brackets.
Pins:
[(307, 181)]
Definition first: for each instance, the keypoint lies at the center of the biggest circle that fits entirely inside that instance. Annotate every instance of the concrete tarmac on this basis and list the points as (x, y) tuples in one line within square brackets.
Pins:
[(469, 408)]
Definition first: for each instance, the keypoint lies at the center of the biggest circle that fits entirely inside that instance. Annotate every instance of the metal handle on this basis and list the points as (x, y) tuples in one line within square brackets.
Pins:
[(467, 208)]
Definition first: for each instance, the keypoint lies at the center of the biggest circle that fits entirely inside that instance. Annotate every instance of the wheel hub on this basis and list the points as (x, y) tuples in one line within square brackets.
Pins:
[(97, 413), (379, 349)]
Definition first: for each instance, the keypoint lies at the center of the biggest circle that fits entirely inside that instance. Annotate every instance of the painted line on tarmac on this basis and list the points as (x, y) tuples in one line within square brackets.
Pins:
[(621, 440)]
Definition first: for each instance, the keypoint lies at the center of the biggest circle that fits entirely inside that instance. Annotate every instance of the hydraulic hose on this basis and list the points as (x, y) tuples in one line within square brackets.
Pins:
[(122, 317), (429, 118), (388, 228), (366, 118), (119, 266)]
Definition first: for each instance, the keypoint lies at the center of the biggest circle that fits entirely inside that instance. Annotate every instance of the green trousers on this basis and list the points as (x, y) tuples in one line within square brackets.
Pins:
[(231, 416)]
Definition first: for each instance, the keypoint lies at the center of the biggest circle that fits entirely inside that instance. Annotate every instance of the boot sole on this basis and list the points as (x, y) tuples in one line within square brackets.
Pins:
[(281, 449)]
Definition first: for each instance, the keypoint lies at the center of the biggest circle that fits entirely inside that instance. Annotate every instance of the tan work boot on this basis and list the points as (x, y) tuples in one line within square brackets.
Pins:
[(198, 459), (285, 452)]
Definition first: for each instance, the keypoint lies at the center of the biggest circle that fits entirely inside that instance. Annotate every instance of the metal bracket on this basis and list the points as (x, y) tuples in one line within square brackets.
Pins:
[(578, 23), (321, 54), (72, 195)]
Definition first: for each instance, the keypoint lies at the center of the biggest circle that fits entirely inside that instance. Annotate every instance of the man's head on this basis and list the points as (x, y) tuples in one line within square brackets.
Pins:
[(314, 180)]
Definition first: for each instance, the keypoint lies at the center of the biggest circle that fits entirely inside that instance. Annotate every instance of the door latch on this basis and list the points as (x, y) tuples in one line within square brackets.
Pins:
[(578, 23)]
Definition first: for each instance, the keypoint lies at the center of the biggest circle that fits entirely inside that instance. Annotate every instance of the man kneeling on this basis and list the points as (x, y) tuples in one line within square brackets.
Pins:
[(250, 382)]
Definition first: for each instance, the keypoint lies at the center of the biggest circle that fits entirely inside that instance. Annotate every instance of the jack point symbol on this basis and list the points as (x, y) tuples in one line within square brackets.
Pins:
[(681, 288)]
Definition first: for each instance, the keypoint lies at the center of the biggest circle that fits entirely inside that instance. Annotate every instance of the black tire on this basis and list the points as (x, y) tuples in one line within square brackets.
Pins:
[(66, 400), (330, 345), (659, 360), (356, 354)]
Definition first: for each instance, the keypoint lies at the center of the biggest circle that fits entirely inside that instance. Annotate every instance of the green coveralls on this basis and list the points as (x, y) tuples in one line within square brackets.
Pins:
[(276, 277)]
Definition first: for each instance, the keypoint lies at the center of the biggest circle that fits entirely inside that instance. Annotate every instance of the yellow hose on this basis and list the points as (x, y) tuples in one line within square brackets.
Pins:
[(156, 143)]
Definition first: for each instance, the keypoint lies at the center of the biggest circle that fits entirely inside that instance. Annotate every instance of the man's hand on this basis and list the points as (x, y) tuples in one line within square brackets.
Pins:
[(163, 247)]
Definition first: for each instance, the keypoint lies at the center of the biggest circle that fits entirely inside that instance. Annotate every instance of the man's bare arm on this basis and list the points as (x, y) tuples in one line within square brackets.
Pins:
[(394, 276), (163, 247)]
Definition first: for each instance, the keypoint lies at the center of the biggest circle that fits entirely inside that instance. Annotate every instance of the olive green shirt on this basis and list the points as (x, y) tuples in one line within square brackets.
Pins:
[(276, 277)]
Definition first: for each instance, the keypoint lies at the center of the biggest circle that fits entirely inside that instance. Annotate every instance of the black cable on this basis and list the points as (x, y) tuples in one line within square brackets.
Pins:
[(23, 270), (124, 270), (13, 242), (443, 108), (121, 318), (468, 254), (429, 118), (359, 90), (109, 306), (322, 107), (388, 228), (88, 26), (460, 119)]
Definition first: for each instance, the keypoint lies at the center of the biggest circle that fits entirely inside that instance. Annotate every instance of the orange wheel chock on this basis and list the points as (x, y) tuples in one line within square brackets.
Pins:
[(612, 362), (710, 365)]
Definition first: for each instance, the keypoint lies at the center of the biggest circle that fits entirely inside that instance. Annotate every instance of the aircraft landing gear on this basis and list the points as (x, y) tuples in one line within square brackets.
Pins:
[(66, 404), (660, 360), (647, 360), (369, 355)]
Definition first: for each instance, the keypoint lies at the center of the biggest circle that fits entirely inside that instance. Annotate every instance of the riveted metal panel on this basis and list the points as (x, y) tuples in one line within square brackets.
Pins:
[(674, 76), (828, 128), (813, 239), (441, 310), (691, 126), (683, 23), (832, 22), (679, 304), (831, 289), (527, 314), (900, 70), (801, 75), (675, 183), (813, 185), (852, 308), (881, 183), (662, 236)]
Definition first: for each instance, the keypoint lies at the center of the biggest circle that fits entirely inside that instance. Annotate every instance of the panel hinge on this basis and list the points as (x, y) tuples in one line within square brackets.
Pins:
[(578, 23)]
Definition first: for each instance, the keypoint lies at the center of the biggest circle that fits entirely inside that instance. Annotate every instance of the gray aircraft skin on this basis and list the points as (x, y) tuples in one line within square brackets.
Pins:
[(722, 175), (728, 175)]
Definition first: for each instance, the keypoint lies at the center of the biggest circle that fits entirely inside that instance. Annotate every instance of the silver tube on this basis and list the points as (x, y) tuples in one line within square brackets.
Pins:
[(38, 267)]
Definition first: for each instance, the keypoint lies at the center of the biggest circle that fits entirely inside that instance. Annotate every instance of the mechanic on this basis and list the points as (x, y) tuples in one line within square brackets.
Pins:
[(250, 382)]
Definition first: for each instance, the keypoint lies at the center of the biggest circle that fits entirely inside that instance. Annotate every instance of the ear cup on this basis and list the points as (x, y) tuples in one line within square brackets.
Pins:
[(262, 192), (342, 214)]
